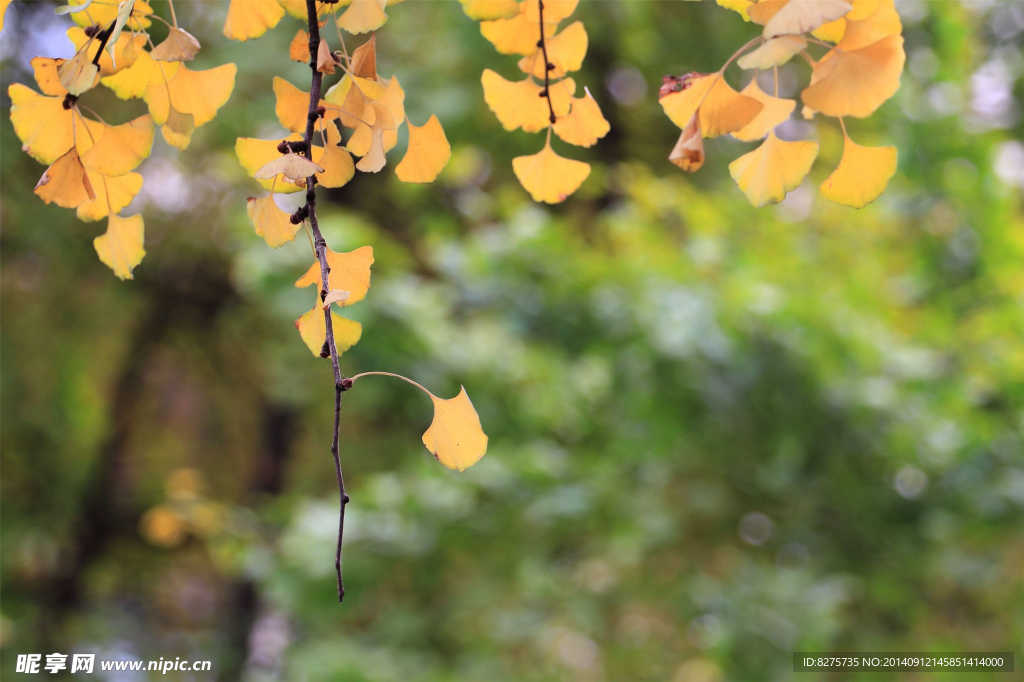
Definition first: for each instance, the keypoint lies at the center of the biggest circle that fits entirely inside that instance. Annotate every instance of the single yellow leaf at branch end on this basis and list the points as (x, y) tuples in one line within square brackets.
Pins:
[(121, 246), (455, 436), (549, 177), (772, 170), (862, 175), (427, 155)]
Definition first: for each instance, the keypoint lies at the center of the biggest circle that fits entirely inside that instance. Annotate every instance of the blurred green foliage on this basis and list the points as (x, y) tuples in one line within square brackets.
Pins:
[(718, 434)]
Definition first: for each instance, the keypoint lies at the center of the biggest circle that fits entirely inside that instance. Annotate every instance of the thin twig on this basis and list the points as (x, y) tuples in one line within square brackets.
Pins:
[(320, 246), (547, 65)]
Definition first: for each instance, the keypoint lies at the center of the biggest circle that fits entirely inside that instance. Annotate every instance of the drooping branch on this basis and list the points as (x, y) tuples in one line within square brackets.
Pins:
[(548, 66), (341, 384)]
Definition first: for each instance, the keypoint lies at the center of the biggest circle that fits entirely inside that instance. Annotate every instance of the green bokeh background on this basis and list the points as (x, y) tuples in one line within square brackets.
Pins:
[(717, 434)]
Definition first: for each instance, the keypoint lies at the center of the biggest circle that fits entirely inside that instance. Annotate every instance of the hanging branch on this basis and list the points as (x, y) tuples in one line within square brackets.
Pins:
[(548, 66), (341, 384)]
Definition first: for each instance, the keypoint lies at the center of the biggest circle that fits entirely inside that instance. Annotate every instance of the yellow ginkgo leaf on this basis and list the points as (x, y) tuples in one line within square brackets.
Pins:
[(740, 6), (325, 61), (554, 10), (4, 4), (802, 16), (178, 128), (112, 195), (774, 112), (427, 155), (517, 35), (584, 125), (127, 49), (132, 82), (349, 272), (688, 153), (292, 166), (78, 74), (774, 52), (364, 59), (251, 18), (335, 160), (549, 177), (178, 46), (858, 82), (490, 10), (455, 436), (518, 104), (292, 107), (65, 182), (45, 71), (832, 31), (200, 93), (270, 222), (374, 158), (120, 149), (104, 13), (121, 247), (42, 123), (686, 95), (861, 176), (298, 50), (860, 32), (313, 330), (772, 170), (566, 51), (725, 111), (762, 11), (363, 16), (254, 154)]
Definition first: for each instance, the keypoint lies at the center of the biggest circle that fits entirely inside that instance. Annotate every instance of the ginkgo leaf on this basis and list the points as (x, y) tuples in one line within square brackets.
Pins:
[(772, 170), (740, 6), (127, 49), (833, 31), (45, 71), (584, 125), (862, 174), (124, 10), (549, 177), (121, 247), (519, 104), (774, 52), (566, 51), (103, 13), (349, 272), (270, 222), (298, 50), (763, 10), (253, 154), (65, 182), (374, 158), (120, 149), (78, 74), (393, 98), (292, 166), (364, 59), (861, 31), (455, 436), (251, 18), (517, 35), (178, 46), (489, 10), (132, 82), (774, 112), (313, 330), (688, 153), (856, 83), (112, 195), (42, 123), (687, 94), (178, 128), (363, 16), (725, 111), (325, 61), (335, 296), (801, 16), (336, 161), (292, 107), (200, 93), (427, 155)]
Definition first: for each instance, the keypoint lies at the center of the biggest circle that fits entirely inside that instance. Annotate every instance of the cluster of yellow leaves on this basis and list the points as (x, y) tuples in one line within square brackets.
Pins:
[(90, 161), (859, 71), (252, 18), (545, 98)]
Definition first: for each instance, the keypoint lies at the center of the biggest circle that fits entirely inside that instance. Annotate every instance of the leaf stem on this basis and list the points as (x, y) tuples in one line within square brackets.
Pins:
[(547, 65), (320, 247)]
